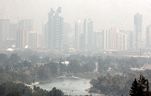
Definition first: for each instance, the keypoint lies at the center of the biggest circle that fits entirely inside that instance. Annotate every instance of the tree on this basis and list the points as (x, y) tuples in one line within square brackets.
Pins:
[(133, 91), (144, 83), (13, 94), (56, 92), (140, 87)]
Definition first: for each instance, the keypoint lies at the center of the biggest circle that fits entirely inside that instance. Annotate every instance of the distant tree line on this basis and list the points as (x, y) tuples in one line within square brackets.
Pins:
[(19, 89), (119, 85)]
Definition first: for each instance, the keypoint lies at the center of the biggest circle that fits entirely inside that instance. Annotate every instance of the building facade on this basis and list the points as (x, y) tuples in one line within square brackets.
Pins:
[(24, 28), (137, 34), (54, 30), (89, 35), (115, 40), (78, 31), (148, 37)]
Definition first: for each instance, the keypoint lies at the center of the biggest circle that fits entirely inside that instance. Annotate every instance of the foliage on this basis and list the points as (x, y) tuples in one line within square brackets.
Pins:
[(19, 89), (140, 87)]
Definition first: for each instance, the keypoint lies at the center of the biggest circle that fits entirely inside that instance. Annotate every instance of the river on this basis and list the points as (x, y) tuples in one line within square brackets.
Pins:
[(69, 86)]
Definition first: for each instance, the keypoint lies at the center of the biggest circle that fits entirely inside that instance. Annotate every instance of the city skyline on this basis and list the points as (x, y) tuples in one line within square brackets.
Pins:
[(57, 33), (119, 13)]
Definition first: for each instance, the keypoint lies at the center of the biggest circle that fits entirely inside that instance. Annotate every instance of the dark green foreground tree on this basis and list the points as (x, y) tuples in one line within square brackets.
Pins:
[(140, 87)]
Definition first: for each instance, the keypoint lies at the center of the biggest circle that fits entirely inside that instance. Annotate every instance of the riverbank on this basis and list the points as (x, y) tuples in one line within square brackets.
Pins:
[(69, 86)]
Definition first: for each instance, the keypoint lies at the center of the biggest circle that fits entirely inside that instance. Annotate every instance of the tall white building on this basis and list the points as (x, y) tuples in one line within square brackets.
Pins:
[(32, 40), (84, 35), (89, 40), (99, 41), (115, 40), (148, 36), (137, 35), (13, 31), (78, 32), (4, 29), (24, 28), (67, 36), (7, 33), (54, 30)]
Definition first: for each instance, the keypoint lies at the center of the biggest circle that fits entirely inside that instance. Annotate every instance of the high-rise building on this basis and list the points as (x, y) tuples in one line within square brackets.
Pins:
[(130, 40), (148, 36), (6, 33), (99, 39), (32, 40), (137, 35), (13, 31), (84, 35), (54, 30), (115, 40), (88, 33), (24, 27), (4, 29), (78, 32), (67, 36)]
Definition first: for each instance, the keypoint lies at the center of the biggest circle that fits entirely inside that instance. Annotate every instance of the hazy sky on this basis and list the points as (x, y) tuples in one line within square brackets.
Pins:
[(104, 13)]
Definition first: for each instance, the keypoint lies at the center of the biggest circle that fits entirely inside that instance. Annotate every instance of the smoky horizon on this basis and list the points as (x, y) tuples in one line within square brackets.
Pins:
[(75, 47), (28, 23)]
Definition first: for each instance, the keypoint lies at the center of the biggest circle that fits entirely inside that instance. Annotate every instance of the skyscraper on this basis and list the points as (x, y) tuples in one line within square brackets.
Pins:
[(54, 30), (13, 31), (24, 27), (99, 39), (4, 29), (32, 40), (115, 40), (148, 36), (78, 32), (137, 35), (88, 35), (67, 34), (5, 33)]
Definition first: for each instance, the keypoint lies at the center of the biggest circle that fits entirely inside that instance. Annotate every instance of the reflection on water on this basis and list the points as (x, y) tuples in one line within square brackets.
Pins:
[(69, 86)]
